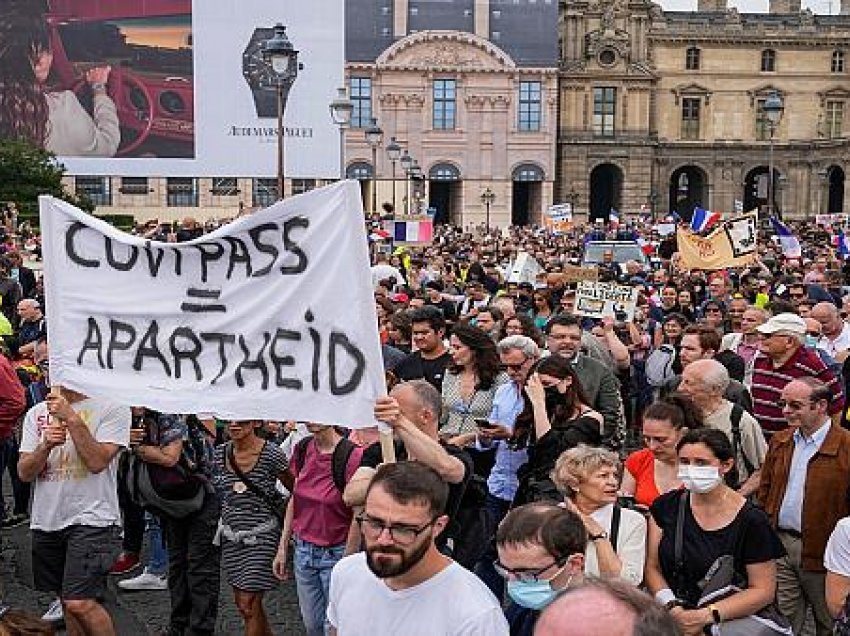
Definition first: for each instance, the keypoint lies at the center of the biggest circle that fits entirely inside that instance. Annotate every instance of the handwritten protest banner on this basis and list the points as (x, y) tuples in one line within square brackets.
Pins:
[(598, 300), (270, 317), (732, 244), (524, 269), (558, 218)]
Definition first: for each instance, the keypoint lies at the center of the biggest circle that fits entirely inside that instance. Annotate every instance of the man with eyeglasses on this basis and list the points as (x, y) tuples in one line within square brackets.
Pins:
[(783, 358), (804, 485), (402, 584), (541, 555)]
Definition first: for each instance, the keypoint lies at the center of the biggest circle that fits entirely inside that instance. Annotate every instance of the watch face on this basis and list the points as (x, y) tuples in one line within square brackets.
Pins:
[(256, 70)]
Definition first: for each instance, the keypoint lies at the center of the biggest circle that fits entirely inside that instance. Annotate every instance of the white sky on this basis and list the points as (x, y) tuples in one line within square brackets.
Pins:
[(752, 6)]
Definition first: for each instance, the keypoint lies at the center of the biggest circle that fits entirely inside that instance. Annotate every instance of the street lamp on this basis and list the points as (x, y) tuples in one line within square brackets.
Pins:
[(393, 152), (487, 198), (279, 53), (341, 110), (416, 176), (773, 108), (572, 197), (406, 161), (374, 137)]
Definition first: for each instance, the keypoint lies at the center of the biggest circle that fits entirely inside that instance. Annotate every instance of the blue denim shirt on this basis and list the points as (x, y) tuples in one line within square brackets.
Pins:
[(507, 405), (791, 510)]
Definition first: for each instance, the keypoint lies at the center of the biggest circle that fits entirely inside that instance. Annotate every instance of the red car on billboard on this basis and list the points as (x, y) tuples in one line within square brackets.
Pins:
[(148, 45)]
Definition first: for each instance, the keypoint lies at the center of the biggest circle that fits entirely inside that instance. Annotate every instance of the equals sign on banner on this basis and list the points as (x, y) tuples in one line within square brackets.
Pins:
[(209, 295)]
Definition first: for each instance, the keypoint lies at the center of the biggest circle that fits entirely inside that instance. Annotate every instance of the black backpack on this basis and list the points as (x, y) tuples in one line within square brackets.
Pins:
[(339, 461), (735, 419)]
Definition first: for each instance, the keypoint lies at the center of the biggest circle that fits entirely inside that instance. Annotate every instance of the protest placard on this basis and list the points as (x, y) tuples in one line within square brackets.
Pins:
[(269, 317), (597, 300), (558, 218), (574, 274), (525, 269), (732, 244)]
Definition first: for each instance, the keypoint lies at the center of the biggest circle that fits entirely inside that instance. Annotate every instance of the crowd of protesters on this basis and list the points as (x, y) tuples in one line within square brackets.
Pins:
[(683, 472)]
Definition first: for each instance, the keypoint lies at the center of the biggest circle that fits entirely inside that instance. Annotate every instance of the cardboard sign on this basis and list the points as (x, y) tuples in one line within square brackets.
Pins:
[(575, 274), (598, 300)]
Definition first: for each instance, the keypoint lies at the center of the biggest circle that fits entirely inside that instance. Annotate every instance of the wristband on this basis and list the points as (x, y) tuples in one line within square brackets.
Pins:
[(715, 614), (664, 596)]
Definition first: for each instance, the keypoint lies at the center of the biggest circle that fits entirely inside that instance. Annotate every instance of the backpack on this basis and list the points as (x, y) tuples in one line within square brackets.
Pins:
[(174, 492), (339, 461), (659, 365), (735, 420)]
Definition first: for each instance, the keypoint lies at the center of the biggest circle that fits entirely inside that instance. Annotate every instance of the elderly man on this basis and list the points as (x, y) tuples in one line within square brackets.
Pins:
[(31, 328), (804, 485), (705, 382), (836, 332), (783, 358), (517, 354), (746, 343)]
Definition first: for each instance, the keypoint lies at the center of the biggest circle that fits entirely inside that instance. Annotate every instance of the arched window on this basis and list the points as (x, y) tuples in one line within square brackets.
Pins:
[(692, 59), (359, 170), (527, 172), (444, 172), (768, 61)]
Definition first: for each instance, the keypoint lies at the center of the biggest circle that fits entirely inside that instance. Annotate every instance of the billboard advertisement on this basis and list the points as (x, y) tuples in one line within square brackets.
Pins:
[(171, 87)]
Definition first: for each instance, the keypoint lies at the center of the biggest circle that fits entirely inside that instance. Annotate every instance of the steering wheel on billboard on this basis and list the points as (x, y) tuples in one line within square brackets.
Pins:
[(117, 89)]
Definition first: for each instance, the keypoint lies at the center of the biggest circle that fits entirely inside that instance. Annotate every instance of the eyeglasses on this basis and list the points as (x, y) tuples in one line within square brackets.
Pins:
[(526, 574), (816, 334), (793, 405), (402, 534), (512, 367), (799, 295)]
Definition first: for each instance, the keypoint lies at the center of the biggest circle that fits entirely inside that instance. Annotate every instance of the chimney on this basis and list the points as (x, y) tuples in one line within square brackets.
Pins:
[(785, 6), (713, 6)]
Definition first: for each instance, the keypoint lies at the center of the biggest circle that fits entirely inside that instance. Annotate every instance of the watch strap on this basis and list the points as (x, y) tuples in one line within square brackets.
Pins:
[(596, 537)]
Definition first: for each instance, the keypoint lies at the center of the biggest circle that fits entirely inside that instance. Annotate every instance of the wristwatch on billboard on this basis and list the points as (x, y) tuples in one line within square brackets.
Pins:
[(259, 74)]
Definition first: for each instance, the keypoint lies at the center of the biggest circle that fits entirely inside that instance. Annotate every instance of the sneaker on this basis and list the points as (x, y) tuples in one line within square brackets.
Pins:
[(126, 562), (147, 580), (13, 521), (54, 613)]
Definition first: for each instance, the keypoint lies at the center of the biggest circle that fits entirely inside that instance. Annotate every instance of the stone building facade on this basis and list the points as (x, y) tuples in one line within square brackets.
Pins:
[(662, 111)]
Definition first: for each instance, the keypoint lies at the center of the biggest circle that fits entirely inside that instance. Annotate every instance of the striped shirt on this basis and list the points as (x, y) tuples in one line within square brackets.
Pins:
[(768, 382)]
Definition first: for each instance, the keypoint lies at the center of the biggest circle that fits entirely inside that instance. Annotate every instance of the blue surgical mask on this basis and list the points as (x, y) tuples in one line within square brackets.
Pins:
[(14, 273), (535, 595), (811, 341)]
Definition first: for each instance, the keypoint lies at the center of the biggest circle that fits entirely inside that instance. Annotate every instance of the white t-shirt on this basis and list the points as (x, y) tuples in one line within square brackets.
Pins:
[(453, 602), (631, 543), (836, 558), (65, 492)]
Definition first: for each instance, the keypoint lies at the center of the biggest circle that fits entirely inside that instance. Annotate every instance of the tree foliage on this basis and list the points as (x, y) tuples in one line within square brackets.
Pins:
[(27, 171)]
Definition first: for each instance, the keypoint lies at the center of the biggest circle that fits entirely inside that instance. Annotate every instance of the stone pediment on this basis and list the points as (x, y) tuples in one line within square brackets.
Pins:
[(692, 90), (834, 93), (445, 51)]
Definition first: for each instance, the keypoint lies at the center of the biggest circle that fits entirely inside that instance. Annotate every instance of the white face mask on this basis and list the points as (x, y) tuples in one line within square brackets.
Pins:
[(700, 479)]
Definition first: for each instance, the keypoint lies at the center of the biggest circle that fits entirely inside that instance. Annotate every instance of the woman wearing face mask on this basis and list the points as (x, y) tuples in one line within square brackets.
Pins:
[(541, 555), (616, 546), (715, 522), (654, 470), (556, 417)]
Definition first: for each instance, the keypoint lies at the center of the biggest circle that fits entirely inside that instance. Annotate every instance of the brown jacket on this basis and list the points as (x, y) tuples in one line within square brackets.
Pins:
[(826, 490)]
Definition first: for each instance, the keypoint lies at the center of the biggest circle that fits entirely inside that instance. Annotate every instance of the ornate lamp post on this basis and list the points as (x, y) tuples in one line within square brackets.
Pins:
[(374, 137), (773, 108), (394, 153), (487, 198), (341, 110), (279, 53), (406, 161)]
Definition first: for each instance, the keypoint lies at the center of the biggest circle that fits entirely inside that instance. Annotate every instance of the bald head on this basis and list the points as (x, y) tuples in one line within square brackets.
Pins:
[(827, 315), (606, 607)]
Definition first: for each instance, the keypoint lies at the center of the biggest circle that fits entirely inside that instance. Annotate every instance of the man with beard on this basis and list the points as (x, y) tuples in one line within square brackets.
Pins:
[(402, 584)]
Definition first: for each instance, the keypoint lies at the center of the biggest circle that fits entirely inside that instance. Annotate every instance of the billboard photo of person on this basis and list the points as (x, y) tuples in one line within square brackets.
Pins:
[(33, 111)]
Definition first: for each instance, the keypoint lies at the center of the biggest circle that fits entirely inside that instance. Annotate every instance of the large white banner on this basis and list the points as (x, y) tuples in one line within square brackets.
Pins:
[(188, 92), (270, 317)]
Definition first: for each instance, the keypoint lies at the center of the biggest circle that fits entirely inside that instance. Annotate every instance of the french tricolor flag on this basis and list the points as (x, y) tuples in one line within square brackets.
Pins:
[(703, 219)]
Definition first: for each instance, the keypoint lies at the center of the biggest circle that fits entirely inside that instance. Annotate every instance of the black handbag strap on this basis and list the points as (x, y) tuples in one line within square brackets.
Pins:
[(614, 532), (254, 488), (678, 542)]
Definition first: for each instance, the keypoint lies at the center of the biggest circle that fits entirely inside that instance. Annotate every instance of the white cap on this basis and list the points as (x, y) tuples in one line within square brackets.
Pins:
[(787, 322)]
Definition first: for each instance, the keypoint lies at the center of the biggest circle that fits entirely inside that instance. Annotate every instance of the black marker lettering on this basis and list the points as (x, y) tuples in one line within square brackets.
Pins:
[(317, 352), (292, 247), (341, 340), (178, 261), (94, 342), (154, 262), (185, 354), (259, 363), (265, 248), (110, 256), (116, 328), (149, 348), (279, 361), (222, 339), (71, 250), (238, 254), (215, 252)]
